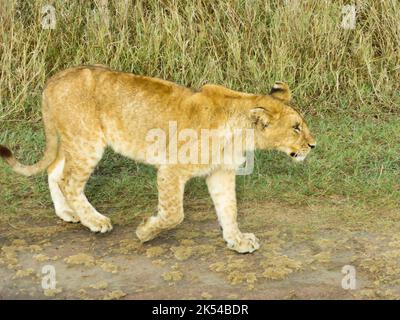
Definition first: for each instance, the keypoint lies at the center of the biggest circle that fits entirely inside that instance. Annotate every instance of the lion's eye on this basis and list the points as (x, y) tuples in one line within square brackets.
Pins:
[(296, 127)]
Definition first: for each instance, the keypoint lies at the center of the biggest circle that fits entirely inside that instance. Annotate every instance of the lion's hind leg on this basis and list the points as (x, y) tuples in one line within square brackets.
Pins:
[(81, 157), (55, 175)]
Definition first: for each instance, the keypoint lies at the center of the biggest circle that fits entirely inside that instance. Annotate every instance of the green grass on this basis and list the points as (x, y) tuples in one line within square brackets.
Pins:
[(347, 83)]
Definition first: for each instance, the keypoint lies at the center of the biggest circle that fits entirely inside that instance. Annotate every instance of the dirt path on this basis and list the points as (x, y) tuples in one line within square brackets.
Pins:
[(302, 255)]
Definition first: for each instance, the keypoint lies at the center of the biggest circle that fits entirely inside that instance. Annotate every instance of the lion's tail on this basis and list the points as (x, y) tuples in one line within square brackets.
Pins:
[(49, 155)]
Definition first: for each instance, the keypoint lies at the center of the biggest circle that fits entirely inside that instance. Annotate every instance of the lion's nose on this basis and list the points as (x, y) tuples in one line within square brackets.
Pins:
[(312, 146)]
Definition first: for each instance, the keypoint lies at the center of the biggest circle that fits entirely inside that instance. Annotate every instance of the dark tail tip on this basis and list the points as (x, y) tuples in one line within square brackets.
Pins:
[(5, 152)]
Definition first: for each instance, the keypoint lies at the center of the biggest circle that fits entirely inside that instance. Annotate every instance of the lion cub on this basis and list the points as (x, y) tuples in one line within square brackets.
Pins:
[(87, 108)]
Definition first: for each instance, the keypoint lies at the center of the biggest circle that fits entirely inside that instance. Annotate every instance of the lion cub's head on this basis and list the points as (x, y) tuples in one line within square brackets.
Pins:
[(279, 126)]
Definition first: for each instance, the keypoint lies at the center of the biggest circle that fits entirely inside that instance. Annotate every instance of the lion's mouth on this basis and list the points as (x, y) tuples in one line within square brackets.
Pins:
[(297, 156)]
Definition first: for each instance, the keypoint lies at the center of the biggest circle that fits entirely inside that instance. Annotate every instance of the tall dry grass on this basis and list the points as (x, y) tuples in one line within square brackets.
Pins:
[(245, 45)]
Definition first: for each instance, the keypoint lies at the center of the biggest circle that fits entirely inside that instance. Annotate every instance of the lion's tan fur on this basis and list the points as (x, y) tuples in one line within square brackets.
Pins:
[(91, 107)]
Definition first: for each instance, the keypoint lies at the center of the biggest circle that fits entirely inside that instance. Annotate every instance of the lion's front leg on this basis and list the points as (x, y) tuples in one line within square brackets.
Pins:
[(221, 185), (170, 186)]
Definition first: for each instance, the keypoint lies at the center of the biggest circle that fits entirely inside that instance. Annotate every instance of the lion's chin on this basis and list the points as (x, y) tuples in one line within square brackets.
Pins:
[(297, 157)]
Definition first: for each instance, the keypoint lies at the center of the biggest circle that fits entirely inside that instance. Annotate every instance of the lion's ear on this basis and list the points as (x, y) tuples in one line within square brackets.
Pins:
[(261, 117), (280, 90)]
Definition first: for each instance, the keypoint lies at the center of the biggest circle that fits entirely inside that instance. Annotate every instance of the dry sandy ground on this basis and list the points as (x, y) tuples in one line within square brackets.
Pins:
[(302, 255)]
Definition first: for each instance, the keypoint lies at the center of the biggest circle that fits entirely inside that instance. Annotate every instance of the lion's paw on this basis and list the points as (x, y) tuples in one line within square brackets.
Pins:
[(97, 223), (68, 216), (244, 243), (146, 231)]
